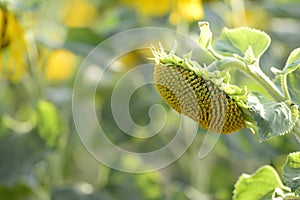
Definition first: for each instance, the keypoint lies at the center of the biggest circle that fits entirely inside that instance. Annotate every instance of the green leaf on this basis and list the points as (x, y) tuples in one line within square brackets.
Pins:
[(18, 155), (292, 71), (82, 40), (293, 61), (239, 40), (205, 35), (249, 55), (49, 125), (79, 191), (272, 118), (291, 172), (258, 186), (20, 191)]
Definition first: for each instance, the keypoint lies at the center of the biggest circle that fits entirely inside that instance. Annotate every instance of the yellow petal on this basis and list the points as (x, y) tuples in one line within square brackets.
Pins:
[(13, 48)]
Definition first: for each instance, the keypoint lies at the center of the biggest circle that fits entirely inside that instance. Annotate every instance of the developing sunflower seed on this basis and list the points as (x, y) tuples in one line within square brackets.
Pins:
[(199, 99)]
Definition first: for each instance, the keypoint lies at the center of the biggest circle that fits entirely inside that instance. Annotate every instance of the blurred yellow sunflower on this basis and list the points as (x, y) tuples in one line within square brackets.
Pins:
[(60, 65), (186, 10), (153, 8), (78, 13), (13, 49), (180, 10)]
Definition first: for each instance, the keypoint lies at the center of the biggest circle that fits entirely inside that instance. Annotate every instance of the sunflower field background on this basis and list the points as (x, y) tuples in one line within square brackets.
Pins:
[(42, 44)]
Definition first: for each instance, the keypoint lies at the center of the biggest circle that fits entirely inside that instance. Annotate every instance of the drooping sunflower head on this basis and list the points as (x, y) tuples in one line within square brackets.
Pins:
[(197, 93)]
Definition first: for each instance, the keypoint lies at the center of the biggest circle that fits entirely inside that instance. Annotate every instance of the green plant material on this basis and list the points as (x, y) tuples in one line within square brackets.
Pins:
[(49, 125), (290, 75), (291, 172), (82, 191), (149, 185), (263, 184), (294, 81), (82, 40), (21, 125), (272, 118), (138, 186), (242, 48), (244, 41), (205, 35), (18, 155), (292, 63), (21, 191)]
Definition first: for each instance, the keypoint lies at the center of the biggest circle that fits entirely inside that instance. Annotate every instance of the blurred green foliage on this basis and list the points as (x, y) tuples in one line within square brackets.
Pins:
[(41, 156)]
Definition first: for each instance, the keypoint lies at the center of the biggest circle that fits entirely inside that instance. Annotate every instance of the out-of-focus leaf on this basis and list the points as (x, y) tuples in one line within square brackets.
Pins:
[(82, 40), (20, 191), (260, 185), (239, 40), (79, 192), (284, 8), (137, 187), (175, 191), (18, 155), (272, 118), (149, 185), (21, 126), (291, 172), (67, 194), (49, 125), (83, 35), (115, 20)]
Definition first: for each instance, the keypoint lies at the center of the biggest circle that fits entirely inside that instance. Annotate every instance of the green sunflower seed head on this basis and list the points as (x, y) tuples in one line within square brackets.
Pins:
[(206, 97)]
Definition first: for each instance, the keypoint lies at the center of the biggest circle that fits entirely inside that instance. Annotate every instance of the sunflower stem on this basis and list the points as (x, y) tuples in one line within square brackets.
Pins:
[(258, 75), (296, 131), (252, 71), (285, 87)]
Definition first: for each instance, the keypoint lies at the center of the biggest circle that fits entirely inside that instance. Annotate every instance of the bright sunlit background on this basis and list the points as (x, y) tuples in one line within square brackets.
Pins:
[(42, 44)]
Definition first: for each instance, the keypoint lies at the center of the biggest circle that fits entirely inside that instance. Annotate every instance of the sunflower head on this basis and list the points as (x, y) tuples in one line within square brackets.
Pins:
[(199, 94)]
